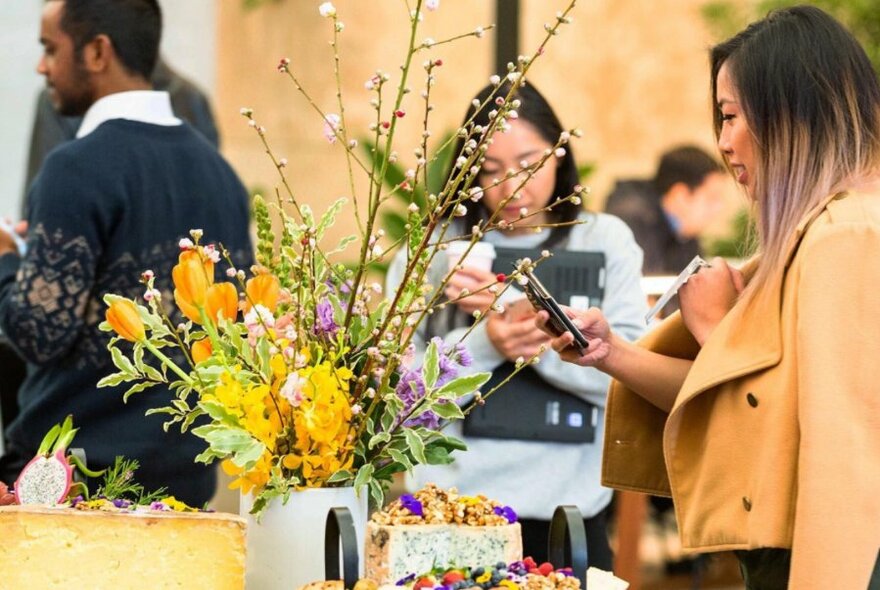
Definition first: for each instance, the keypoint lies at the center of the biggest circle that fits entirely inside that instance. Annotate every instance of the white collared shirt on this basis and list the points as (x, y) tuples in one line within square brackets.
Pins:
[(146, 106)]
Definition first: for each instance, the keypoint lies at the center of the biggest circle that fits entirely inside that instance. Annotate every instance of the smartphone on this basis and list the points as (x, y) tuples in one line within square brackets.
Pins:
[(559, 322)]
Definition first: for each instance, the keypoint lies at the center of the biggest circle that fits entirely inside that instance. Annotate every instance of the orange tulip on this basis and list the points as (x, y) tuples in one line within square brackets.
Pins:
[(201, 350), (192, 276), (221, 298), (264, 290), (125, 320)]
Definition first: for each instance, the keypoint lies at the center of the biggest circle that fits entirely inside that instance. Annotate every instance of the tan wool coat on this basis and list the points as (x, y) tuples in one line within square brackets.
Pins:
[(774, 438)]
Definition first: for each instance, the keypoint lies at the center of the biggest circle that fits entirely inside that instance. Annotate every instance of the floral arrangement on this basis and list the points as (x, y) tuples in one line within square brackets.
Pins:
[(300, 372)]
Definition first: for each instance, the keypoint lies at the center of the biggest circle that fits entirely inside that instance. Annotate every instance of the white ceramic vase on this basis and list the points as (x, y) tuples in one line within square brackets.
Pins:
[(285, 550)]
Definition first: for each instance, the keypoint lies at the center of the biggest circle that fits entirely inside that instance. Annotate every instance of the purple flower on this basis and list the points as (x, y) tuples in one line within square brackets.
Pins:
[(507, 512), (405, 580), (411, 386), (76, 501), (120, 503), (409, 502), (324, 323), (158, 506)]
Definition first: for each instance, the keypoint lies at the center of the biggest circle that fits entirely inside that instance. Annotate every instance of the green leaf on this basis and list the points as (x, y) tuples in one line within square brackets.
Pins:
[(219, 413), (437, 456), (115, 379), (190, 418), (401, 458), (152, 373), (329, 217), (207, 456), (363, 475), (382, 437), (122, 362), (463, 386), (340, 476), (448, 410), (431, 366), (377, 494), (49, 440), (343, 244), (137, 388), (416, 445)]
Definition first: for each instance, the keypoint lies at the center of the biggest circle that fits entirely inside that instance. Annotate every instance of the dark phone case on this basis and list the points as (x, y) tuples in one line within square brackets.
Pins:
[(542, 300)]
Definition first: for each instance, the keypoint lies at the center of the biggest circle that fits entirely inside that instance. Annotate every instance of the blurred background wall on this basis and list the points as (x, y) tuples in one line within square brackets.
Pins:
[(631, 74)]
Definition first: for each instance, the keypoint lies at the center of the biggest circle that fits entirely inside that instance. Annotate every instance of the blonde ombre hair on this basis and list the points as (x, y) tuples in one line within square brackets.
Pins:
[(812, 102)]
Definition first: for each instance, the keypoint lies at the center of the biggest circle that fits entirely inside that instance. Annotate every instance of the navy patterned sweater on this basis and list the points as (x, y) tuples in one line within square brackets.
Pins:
[(103, 209)]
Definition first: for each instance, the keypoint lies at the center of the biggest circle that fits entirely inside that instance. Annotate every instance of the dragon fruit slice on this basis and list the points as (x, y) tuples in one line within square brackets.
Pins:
[(45, 480)]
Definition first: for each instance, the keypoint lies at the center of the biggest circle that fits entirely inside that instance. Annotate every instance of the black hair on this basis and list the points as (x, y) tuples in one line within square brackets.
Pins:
[(688, 164), (537, 112), (133, 26)]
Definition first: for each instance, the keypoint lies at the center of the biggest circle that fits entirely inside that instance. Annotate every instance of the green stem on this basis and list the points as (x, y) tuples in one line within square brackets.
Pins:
[(167, 362)]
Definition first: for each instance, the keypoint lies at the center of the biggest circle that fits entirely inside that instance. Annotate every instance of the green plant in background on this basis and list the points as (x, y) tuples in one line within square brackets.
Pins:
[(862, 17), (394, 221), (249, 4), (742, 242)]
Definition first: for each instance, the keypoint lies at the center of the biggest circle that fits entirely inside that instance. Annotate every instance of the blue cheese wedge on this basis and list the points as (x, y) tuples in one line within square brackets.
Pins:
[(395, 551)]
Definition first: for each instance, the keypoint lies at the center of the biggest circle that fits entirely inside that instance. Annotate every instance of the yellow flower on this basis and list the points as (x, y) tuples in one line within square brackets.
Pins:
[(201, 350), (176, 505), (279, 367), (123, 317), (252, 480), (221, 299), (263, 290)]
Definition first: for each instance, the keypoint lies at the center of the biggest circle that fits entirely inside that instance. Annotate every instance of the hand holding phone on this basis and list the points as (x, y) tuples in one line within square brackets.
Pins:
[(559, 322)]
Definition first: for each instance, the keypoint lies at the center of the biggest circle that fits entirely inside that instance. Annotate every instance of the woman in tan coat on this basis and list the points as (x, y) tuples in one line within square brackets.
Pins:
[(758, 407)]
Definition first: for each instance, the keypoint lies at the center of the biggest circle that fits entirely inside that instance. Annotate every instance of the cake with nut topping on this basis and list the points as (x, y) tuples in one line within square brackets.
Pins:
[(436, 527)]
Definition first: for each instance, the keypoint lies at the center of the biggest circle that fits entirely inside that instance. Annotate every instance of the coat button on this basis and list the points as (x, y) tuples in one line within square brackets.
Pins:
[(747, 504), (753, 401)]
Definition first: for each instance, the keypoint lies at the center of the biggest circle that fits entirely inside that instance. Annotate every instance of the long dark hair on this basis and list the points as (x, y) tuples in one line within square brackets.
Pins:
[(536, 111), (812, 103)]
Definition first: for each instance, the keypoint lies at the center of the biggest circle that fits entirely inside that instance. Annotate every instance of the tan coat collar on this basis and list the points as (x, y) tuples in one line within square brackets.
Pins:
[(739, 346)]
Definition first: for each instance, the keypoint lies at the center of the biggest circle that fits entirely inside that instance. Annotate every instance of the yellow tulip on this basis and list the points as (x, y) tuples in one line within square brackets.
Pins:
[(222, 299), (192, 276), (125, 320), (201, 350), (264, 290)]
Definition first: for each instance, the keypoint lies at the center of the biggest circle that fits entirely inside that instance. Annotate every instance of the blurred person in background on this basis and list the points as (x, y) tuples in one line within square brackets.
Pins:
[(104, 208), (669, 212), (532, 476)]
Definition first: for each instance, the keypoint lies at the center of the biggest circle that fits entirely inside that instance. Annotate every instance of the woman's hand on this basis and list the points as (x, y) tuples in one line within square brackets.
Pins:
[(593, 325), (474, 280), (707, 297), (515, 338)]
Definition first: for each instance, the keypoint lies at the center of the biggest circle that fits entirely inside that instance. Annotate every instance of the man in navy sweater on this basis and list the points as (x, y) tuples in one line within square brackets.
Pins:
[(104, 208)]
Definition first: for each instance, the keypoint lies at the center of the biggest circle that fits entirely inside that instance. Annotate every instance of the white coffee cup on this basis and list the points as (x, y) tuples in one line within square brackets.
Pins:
[(481, 256)]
